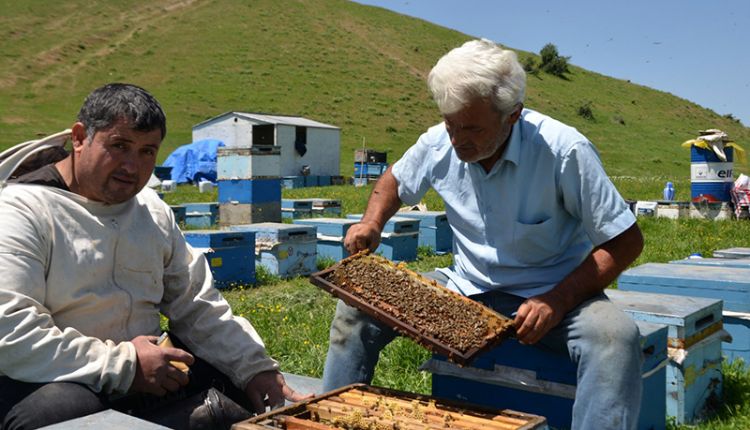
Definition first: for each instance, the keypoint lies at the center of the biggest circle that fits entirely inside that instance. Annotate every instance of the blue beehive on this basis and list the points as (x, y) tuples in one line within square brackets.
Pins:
[(230, 255), (543, 382), (330, 235), (399, 239), (434, 230), (695, 334), (732, 253), (291, 182), (179, 214), (296, 208), (730, 284), (284, 249), (201, 215), (248, 162), (311, 181), (324, 180), (721, 262), (252, 191)]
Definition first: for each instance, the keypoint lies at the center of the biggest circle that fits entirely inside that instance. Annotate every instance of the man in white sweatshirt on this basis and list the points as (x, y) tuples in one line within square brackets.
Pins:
[(89, 258)]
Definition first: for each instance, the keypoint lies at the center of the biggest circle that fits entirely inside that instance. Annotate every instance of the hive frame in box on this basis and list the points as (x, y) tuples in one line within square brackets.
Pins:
[(435, 345), (505, 418)]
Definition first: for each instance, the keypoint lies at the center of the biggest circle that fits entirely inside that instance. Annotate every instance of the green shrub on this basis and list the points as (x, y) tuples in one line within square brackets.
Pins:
[(552, 62)]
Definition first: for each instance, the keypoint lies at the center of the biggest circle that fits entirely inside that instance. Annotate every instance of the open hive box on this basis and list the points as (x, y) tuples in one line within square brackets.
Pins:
[(362, 407), (439, 319)]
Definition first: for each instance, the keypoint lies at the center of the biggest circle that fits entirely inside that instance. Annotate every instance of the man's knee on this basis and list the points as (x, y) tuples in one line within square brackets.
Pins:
[(53, 403), (609, 328)]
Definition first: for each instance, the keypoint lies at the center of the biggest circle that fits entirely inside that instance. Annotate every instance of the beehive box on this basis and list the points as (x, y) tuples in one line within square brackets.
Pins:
[(435, 317), (543, 382), (695, 334), (399, 238), (283, 249), (732, 253), (248, 163), (434, 230), (743, 263), (330, 235), (291, 182), (248, 213), (201, 215), (730, 284), (250, 191), (296, 208), (311, 181), (362, 407), (230, 255)]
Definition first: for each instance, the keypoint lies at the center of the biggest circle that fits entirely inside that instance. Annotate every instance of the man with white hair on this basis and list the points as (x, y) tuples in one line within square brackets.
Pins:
[(90, 257), (539, 232)]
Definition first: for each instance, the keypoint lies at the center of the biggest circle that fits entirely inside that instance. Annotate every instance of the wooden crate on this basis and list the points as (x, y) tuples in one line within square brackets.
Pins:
[(405, 411)]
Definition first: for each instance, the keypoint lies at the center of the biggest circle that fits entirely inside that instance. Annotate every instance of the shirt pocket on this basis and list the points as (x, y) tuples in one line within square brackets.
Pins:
[(536, 243)]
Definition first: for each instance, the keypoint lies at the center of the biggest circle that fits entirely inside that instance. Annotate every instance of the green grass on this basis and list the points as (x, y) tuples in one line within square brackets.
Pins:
[(359, 67)]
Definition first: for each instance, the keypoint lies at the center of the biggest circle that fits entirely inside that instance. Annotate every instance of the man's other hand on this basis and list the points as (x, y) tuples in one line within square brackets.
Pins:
[(537, 316), (153, 372), (270, 389), (364, 235)]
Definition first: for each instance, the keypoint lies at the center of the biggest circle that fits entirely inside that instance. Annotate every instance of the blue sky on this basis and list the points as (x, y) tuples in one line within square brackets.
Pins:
[(697, 50)]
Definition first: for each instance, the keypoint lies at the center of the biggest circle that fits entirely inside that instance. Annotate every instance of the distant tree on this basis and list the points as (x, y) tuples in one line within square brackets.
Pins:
[(585, 111), (552, 62), (529, 65)]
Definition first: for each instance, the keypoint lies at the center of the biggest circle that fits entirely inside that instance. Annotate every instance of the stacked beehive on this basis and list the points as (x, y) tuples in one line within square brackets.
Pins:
[(249, 184), (368, 166)]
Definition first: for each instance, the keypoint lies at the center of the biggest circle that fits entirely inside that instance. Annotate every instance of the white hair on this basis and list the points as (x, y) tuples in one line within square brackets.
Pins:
[(477, 69)]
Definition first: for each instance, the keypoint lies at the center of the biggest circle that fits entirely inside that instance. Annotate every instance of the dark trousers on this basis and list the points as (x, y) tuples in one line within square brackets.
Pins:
[(25, 405)]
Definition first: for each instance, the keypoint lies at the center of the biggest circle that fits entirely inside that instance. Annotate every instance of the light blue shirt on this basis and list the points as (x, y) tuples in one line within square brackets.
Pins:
[(525, 225)]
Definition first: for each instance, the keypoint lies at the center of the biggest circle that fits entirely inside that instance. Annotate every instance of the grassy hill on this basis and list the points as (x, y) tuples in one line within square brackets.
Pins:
[(358, 67)]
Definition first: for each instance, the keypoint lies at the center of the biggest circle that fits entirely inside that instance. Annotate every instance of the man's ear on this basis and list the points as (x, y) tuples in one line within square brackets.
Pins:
[(516, 113), (78, 135)]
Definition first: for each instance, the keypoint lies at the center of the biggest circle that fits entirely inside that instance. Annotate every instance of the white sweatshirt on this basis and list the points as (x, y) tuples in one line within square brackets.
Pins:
[(80, 279)]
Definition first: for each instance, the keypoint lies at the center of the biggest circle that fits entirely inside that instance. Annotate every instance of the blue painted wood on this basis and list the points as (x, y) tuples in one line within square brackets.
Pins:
[(278, 232), (434, 230), (739, 348), (693, 325), (555, 367), (297, 204), (336, 227), (296, 213), (733, 253), (247, 163), (311, 181), (687, 317), (201, 215), (291, 182), (220, 238), (283, 249), (249, 190), (324, 180), (230, 255), (732, 285), (397, 224), (723, 262)]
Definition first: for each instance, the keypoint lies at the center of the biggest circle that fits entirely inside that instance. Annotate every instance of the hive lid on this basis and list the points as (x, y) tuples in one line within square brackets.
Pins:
[(471, 327)]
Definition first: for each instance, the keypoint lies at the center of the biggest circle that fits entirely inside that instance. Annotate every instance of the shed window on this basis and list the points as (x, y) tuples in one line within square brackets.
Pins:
[(300, 141), (263, 135)]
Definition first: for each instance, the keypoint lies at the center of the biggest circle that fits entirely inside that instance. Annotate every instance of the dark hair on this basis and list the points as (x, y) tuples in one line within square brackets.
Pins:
[(108, 104)]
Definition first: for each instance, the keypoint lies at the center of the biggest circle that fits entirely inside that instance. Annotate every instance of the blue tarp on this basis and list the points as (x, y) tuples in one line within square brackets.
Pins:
[(194, 162)]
